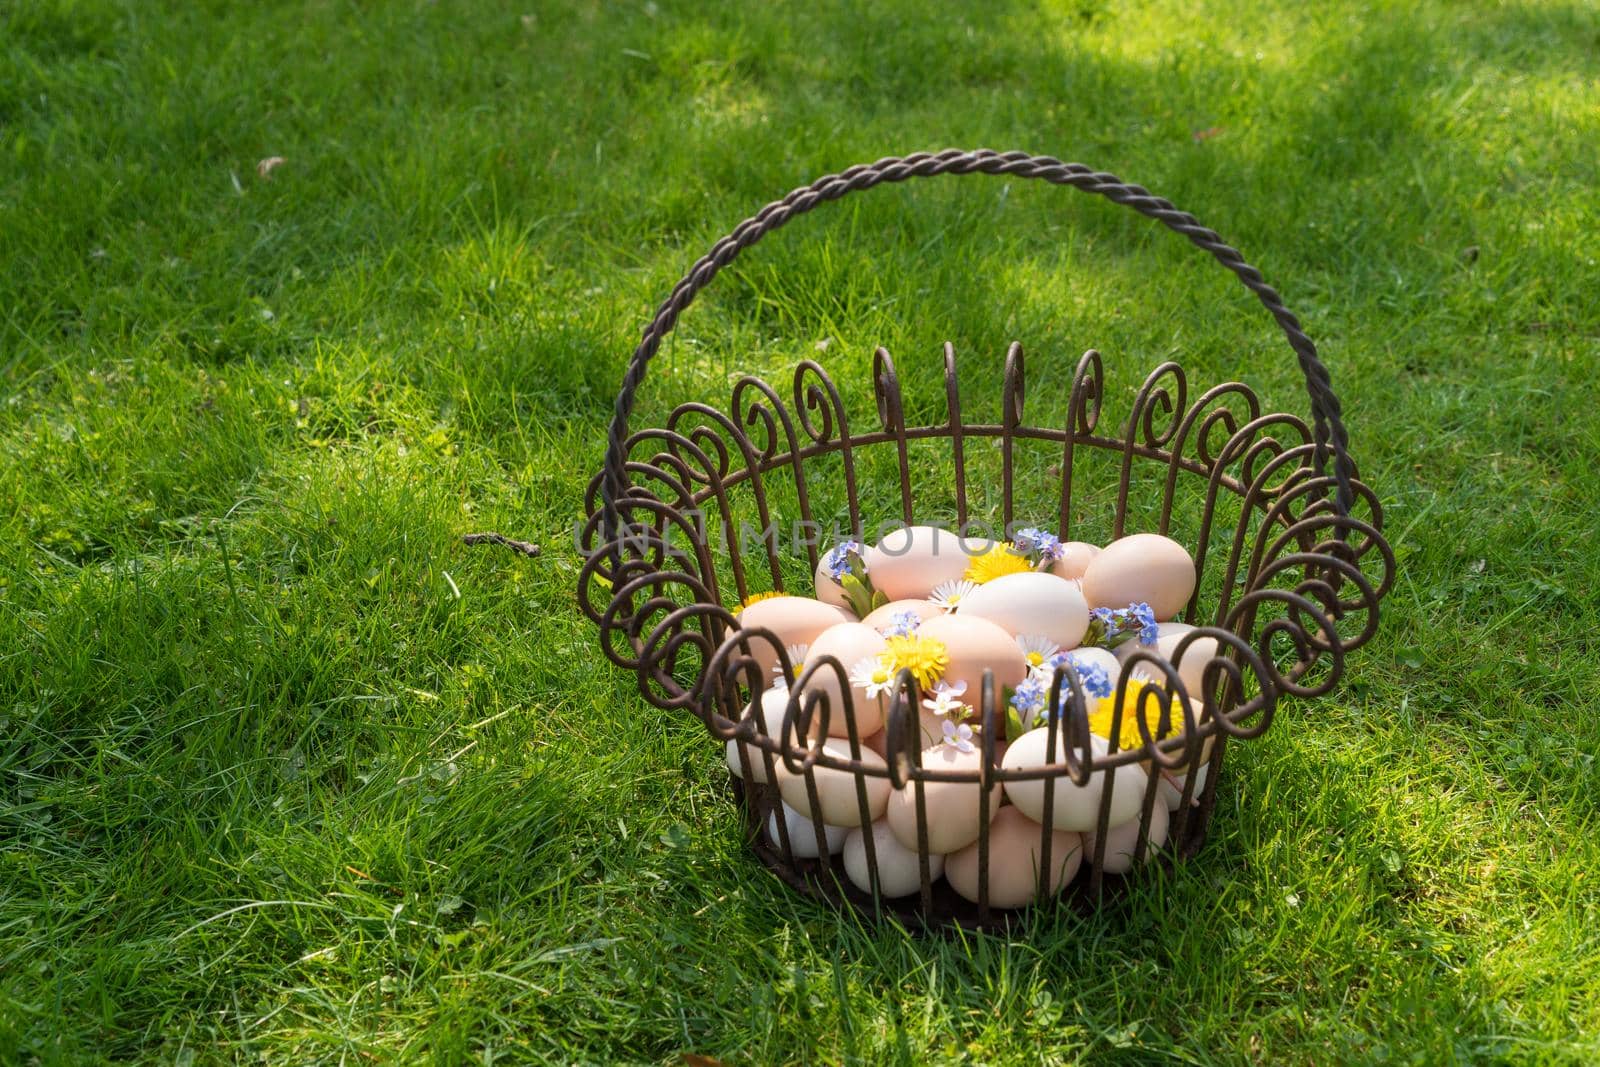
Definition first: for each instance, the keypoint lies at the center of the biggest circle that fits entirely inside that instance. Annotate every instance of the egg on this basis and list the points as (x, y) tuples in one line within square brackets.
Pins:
[(1123, 840), (884, 616), (973, 645), (1191, 668), (828, 590), (803, 834), (796, 620), (952, 808), (1165, 629), (899, 870), (1014, 857), (907, 563), (1103, 658), (836, 789), (930, 731), (1172, 795), (1075, 807), (1031, 603), (931, 725), (1080, 660), (849, 643), (1075, 557), (1141, 568), (773, 703)]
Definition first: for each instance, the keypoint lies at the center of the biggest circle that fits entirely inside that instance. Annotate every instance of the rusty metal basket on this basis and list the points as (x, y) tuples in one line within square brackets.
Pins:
[(1287, 545)]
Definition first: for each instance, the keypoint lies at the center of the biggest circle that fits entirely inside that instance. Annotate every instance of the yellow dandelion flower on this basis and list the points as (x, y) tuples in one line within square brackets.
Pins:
[(925, 657), (1133, 705), (996, 563), (754, 597)]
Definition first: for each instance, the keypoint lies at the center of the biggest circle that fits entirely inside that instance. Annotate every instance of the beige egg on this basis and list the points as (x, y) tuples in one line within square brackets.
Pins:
[(803, 834), (899, 870), (1121, 842), (796, 620), (1076, 807), (1014, 856), (1075, 557), (931, 725), (1191, 668), (1031, 603), (849, 643), (1141, 568), (909, 562), (930, 731), (828, 590), (952, 808), (974, 645), (773, 703), (836, 789), (884, 616)]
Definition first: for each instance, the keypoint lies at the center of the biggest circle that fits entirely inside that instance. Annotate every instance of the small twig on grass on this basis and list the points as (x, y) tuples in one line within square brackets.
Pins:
[(527, 548)]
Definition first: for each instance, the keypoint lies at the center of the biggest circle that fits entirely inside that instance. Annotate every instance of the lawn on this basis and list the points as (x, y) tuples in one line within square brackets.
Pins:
[(289, 773)]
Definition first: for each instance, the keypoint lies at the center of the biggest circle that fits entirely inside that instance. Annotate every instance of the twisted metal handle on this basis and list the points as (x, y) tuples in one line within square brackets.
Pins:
[(1328, 425)]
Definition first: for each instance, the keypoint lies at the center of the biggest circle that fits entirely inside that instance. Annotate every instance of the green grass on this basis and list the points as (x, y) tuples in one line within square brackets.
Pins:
[(269, 788)]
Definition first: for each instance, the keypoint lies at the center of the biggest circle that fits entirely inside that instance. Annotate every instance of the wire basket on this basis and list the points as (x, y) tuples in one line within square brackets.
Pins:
[(1289, 556)]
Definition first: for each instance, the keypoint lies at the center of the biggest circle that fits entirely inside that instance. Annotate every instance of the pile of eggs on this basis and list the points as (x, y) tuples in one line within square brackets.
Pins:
[(948, 609)]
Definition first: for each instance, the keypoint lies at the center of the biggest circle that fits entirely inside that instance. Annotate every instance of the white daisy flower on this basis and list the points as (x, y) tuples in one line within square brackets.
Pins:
[(948, 595), (1037, 650), (944, 700), (958, 737), (870, 674), (797, 660)]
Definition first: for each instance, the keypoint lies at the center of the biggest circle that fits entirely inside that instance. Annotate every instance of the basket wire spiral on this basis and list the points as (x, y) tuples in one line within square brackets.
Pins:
[(1287, 590)]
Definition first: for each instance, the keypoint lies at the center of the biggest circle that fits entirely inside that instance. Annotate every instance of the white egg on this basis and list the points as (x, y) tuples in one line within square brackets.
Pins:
[(1099, 657), (909, 562), (1123, 840), (899, 870), (951, 808), (1031, 603), (836, 789), (803, 834), (1142, 568), (1014, 858), (773, 703), (1075, 807), (848, 643)]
